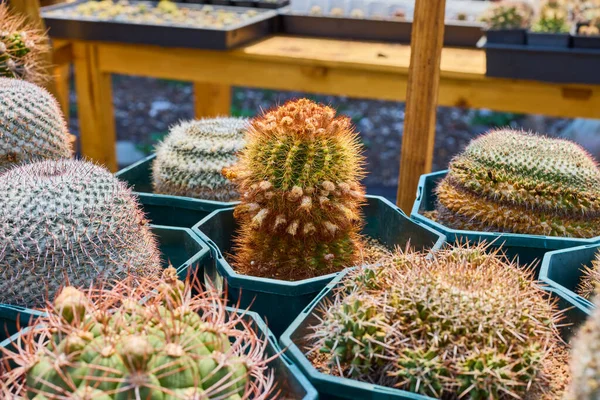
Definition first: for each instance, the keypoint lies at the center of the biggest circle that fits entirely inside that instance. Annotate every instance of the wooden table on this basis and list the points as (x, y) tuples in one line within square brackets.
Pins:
[(353, 69)]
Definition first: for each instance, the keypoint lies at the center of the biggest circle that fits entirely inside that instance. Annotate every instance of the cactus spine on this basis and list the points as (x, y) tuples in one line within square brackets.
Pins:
[(68, 222), (21, 48), (519, 182), (190, 160), (299, 183), (463, 324), (104, 344), (32, 127)]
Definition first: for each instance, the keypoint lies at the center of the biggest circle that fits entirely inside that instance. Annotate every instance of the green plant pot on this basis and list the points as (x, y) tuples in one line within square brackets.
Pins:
[(562, 270), (336, 388), (280, 301), (179, 247), (527, 248), (164, 209), (288, 377)]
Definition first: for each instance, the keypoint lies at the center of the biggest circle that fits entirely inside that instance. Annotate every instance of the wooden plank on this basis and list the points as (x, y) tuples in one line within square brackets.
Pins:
[(95, 107), (61, 76), (421, 98), (211, 100)]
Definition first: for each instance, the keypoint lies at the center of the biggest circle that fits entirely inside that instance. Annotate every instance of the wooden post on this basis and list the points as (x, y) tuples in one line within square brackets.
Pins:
[(211, 100), (421, 98)]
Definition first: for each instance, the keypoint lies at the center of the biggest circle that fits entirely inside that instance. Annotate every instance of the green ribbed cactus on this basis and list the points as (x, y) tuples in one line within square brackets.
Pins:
[(520, 182), (21, 48), (32, 127), (68, 222), (463, 323), (105, 344), (190, 159), (299, 180)]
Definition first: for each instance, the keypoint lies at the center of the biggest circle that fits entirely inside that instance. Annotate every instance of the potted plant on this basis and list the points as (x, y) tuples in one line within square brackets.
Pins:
[(587, 35), (506, 22), (551, 28)]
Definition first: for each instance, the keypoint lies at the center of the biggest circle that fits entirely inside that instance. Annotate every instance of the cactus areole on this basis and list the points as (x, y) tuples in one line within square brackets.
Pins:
[(507, 181), (299, 181)]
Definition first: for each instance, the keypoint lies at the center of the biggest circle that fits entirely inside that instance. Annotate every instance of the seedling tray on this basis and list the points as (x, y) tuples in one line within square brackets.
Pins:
[(337, 388), (166, 35), (178, 246), (527, 248), (280, 301), (558, 65), (292, 383), (462, 34), (162, 209)]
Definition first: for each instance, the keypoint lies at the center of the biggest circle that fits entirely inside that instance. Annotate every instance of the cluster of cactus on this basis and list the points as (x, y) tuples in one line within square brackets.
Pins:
[(298, 180), (553, 17), (463, 323), (592, 28), (522, 183), (32, 126), (152, 340), (190, 159), (71, 222), (590, 278), (21, 48), (508, 15)]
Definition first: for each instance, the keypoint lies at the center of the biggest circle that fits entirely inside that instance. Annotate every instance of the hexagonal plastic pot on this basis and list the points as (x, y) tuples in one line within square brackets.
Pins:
[(290, 380), (337, 388), (164, 209), (562, 270), (280, 301), (179, 247), (528, 248)]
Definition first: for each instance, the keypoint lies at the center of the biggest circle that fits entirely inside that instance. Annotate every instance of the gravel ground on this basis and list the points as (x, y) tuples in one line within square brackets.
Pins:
[(145, 108)]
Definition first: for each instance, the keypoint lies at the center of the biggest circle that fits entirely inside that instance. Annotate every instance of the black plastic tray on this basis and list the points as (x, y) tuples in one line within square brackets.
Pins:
[(160, 35), (463, 34), (543, 64)]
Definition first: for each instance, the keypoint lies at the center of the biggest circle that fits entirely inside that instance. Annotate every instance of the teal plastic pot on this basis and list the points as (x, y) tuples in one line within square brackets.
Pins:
[(280, 301), (337, 388), (528, 248), (289, 379), (562, 270), (179, 247), (164, 209)]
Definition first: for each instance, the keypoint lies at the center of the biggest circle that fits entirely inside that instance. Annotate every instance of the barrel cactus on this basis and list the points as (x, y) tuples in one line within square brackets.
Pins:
[(519, 182), (299, 181), (465, 323), (68, 222), (32, 127), (104, 344), (21, 48), (190, 160)]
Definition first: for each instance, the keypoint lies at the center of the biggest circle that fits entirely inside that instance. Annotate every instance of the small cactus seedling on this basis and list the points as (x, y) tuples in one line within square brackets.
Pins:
[(68, 222), (298, 178), (508, 181), (21, 48), (553, 18), (508, 15), (130, 342), (190, 160), (465, 323), (32, 127)]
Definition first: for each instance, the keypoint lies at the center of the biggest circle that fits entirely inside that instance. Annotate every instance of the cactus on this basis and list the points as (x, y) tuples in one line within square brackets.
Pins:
[(590, 278), (104, 344), (508, 15), (190, 160), (553, 18), (519, 182), (32, 126), (298, 178), (21, 48), (466, 323), (68, 222)]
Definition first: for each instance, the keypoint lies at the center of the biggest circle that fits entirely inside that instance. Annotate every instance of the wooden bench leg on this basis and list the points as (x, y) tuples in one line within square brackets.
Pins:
[(95, 107), (211, 100)]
